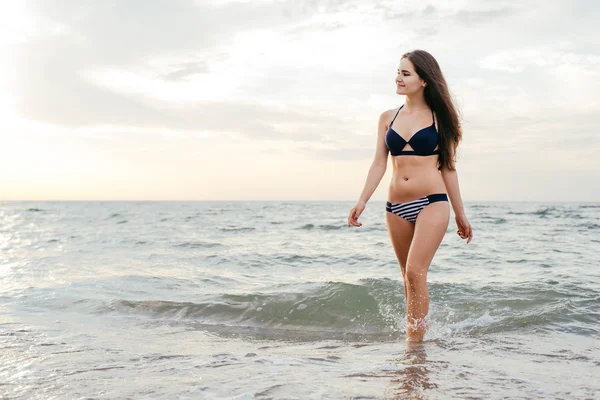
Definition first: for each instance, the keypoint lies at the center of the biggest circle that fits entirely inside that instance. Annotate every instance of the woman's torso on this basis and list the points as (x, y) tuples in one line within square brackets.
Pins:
[(414, 176)]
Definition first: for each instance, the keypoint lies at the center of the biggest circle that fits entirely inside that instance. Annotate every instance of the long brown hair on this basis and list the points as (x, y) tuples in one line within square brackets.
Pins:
[(438, 98)]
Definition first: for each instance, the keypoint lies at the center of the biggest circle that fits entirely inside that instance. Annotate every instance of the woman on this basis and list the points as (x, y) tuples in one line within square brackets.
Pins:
[(422, 136)]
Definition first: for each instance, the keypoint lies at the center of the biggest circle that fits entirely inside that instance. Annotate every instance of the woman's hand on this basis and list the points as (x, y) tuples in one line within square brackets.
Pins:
[(464, 228), (355, 213)]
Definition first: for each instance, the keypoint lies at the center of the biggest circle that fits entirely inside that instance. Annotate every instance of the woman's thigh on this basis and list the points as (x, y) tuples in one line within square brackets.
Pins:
[(430, 228), (401, 234)]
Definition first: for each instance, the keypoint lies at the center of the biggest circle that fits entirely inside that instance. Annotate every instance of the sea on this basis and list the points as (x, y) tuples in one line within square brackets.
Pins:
[(283, 300)]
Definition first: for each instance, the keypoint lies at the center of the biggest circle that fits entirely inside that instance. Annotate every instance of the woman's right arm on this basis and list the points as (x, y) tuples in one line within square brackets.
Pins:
[(379, 164), (376, 171)]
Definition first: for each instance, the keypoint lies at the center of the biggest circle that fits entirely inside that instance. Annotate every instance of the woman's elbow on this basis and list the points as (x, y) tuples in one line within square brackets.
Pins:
[(448, 170), (380, 162)]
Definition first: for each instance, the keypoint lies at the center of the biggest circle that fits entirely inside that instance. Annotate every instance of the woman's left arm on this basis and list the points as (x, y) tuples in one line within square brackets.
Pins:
[(451, 181)]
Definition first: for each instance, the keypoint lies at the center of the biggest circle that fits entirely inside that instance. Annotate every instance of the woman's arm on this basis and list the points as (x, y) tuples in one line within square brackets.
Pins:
[(379, 164), (451, 181), (450, 177)]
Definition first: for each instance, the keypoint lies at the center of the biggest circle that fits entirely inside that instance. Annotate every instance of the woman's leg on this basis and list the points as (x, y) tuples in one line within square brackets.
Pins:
[(401, 234), (430, 229)]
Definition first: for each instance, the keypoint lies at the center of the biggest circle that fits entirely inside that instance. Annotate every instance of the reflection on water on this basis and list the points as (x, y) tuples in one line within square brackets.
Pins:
[(409, 373), (411, 380)]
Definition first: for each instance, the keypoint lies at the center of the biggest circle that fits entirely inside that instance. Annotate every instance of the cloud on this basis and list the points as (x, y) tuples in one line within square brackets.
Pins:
[(123, 63), (484, 16), (129, 32), (308, 79), (182, 71), (546, 56)]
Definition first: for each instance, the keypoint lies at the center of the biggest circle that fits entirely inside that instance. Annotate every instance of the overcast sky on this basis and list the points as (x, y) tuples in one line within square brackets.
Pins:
[(270, 99)]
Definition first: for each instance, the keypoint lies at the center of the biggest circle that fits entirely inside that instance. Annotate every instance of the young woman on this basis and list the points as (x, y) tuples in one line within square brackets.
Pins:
[(422, 136)]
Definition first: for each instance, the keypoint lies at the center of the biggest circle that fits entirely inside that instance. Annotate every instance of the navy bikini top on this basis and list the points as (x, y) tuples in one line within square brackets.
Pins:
[(423, 142)]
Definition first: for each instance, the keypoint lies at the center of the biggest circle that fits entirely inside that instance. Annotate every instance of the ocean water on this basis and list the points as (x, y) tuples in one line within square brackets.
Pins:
[(282, 300)]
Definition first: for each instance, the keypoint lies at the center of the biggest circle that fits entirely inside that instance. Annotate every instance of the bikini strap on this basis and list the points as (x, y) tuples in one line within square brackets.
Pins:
[(396, 115), (432, 118)]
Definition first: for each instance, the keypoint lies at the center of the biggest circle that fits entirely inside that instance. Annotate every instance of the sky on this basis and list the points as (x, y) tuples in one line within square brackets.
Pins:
[(279, 100)]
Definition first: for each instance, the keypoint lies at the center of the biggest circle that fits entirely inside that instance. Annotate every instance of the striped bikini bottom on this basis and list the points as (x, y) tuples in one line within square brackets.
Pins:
[(411, 209)]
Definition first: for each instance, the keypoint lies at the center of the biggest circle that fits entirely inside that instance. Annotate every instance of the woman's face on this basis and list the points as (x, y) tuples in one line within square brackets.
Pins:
[(407, 80)]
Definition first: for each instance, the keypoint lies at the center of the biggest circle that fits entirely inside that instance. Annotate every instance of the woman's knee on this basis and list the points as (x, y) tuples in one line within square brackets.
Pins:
[(416, 275)]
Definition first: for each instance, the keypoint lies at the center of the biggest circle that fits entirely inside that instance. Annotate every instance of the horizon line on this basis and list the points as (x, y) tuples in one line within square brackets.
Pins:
[(274, 200)]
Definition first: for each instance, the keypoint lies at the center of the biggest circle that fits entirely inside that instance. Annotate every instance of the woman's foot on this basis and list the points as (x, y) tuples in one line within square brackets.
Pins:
[(414, 339), (416, 332)]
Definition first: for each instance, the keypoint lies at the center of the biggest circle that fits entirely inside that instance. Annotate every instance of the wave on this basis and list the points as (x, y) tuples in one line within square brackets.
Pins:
[(323, 227), (492, 220), (334, 306), (542, 212), (373, 308), (241, 229), (199, 244), (589, 226)]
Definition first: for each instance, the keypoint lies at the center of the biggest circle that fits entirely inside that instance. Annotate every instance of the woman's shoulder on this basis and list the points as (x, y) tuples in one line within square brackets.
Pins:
[(387, 116)]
